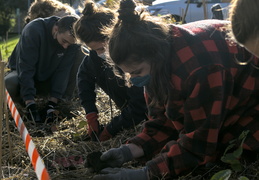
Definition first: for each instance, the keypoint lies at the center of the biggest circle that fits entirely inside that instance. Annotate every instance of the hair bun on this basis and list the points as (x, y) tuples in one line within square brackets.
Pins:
[(127, 11), (90, 8)]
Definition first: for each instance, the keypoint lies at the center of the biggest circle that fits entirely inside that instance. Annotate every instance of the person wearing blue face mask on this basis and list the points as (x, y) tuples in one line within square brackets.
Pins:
[(94, 70), (199, 97), (140, 81)]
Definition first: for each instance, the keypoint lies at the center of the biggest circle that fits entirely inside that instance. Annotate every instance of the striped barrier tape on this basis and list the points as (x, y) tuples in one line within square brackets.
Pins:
[(35, 158)]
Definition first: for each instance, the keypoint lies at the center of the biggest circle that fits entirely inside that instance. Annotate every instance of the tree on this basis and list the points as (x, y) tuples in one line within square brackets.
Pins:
[(7, 13), (5, 16)]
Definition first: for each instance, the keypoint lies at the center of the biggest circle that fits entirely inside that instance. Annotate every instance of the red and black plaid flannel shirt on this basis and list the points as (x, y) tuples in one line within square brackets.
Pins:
[(213, 100)]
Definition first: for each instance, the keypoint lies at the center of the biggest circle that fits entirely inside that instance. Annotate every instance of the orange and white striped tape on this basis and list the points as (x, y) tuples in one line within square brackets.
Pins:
[(35, 158)]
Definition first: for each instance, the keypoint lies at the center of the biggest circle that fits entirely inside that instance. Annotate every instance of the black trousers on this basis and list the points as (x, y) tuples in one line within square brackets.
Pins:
[(43, 87)]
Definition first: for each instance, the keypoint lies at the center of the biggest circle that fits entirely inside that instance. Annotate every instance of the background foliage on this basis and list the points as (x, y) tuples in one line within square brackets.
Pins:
[(9, 16)]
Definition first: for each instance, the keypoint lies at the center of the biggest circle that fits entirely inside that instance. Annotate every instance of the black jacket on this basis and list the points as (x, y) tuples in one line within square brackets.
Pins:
[(39, 57), (95, 71)]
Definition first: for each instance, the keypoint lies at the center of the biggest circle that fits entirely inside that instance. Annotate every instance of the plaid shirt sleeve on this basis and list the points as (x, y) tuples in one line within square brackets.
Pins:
[(186, 130)]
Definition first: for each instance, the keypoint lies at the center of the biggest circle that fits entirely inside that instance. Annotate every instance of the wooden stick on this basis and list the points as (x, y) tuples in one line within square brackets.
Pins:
[(186, 10), (5, 113), (205, 9), (8, 127), (1, 58), (1, 109)]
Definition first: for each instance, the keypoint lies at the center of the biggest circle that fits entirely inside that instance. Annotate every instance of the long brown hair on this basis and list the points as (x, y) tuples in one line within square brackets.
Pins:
[(244, 19), (89, 27), (138, 37)]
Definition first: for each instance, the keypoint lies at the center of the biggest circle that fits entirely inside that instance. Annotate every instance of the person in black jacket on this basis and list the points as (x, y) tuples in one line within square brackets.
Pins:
[(95, 71), (41, 63)]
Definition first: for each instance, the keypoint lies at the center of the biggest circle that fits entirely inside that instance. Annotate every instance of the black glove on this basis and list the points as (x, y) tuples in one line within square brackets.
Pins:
[(32, 112), (51, 111)]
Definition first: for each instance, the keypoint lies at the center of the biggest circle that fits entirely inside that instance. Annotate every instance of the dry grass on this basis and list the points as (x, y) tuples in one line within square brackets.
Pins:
[(70, 140), (67, 140)]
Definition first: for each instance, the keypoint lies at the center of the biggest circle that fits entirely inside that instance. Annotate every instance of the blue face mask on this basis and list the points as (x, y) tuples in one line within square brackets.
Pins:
[(140, 81)]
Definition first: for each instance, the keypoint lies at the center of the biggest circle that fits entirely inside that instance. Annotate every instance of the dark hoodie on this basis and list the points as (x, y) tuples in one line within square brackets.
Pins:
[(94, 71), (39, 57)]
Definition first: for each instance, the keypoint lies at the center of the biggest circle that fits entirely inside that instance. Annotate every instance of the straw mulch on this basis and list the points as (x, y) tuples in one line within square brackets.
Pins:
[(67, 138)]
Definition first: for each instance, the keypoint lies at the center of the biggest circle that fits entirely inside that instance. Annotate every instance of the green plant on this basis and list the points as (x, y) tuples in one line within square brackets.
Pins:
[(6, 47), (78, 134), (232, 158), (222, 175)]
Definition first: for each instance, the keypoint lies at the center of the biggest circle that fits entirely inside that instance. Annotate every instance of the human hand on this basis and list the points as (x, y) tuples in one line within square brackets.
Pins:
[(121, 173), (32, 112), (51, 111), (93, 125), (116, 157)]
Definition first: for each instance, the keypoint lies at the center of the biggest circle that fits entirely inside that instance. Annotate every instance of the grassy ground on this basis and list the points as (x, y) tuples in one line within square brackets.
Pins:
[(6, 47)]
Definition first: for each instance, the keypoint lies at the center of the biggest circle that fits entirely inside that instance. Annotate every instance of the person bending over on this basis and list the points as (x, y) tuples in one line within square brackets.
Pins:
[(199, 96), (94, 71), (41, 63)]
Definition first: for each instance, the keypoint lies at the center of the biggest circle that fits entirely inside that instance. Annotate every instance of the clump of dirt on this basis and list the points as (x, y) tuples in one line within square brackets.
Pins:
[(93, 161)]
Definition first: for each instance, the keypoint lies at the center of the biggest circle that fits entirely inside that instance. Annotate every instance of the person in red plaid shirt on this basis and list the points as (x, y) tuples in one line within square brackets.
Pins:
[(200, 95)]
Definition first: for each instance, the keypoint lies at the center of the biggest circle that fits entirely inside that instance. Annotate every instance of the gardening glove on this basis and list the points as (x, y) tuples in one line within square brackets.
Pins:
[(122, 174), (116, 157), (93, 125), (104, 135), (51, 111), (32, 112)]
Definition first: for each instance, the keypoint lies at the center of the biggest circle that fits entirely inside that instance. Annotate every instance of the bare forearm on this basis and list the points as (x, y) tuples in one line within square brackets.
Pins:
[(136, 150)]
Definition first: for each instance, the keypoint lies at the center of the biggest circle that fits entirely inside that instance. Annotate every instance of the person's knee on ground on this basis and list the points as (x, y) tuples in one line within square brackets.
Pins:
[(12, 86)]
